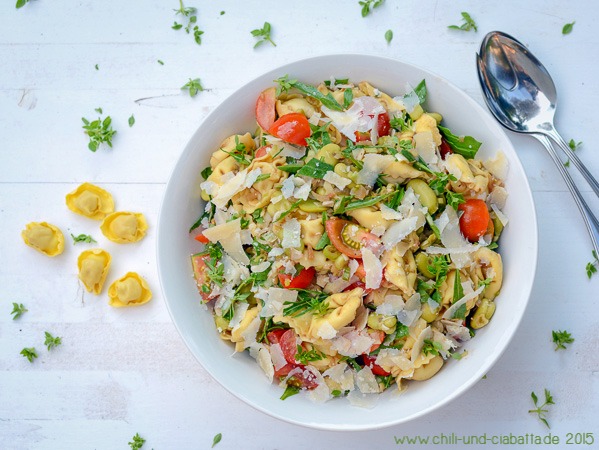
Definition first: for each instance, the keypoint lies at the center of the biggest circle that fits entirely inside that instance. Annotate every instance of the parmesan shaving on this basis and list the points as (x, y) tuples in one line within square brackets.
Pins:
[(229, 189), (229, 236), (502, 217), (276, 354), (366, 381), (374, 164), (426, 334), (260, 353), (368, 401), (390, 214), (252, 176), (498, 166), (291, 234), (336, 180), (453, 308), (373, 269)]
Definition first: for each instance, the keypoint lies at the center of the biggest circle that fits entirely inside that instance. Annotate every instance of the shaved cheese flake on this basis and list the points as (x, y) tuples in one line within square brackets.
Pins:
[(446, 344), (321, 392), (374, 164), (353, 343), (425, 334), (368, 401), (229, 189), (288, 187), (453, 308), (411, 311), (275, 298), (410, 100), (425, 147), (260, 267), (390, 214), (456, 331), (336, 180), (326, 331), (233, 271), (398, 231), (276, 199), (366, 381), (498, 166), (229, 236), (341, 374), (391, 305), (373, 269), (353, 266), (249, 334), (452, 167), (276, 354), (252, 176), (359, 117), (388, 358), (303, 191), (287, 149), (291, 234), (276, 251), (498, 196), (502, 217), (260, 353), (209, 187)]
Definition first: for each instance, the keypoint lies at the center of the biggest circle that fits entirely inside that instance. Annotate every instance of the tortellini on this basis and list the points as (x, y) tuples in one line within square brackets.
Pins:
[(90, 201), (129, 290), (124, 227), (44, 237), (93, 267)]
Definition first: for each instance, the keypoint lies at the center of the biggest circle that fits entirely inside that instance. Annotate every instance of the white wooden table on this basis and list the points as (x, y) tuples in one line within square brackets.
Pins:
[(119, 372)]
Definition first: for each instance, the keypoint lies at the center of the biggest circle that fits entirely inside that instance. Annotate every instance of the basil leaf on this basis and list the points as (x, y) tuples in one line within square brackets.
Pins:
[(421, 91), (315, 169), (467, 146), (348, 97), (311, 91)]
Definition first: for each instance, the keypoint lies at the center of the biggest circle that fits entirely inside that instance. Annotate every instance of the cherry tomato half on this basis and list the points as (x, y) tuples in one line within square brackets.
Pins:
[(445, 149), (201, 238), (265, 108), (474, 220), (376, 369), (262, 151), (383, 126), (304, 379), (288, 343), (301, 281), (293, 128), (198, 263), (348, 237)]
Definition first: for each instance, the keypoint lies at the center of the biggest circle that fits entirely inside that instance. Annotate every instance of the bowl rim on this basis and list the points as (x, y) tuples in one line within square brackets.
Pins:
[(487, 364)]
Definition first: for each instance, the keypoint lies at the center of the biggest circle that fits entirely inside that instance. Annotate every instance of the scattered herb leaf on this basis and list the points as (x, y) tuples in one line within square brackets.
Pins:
[(290, 391), (83, 238), (137, 442), (539, 411), (469, 23), (219, 436), (567, 29), (389, 36), (263, 35), (369, 5), (18, 309), (592, 266), (193, 86), (52, 341), (561, 338), (131, 121), (29, 353), (466, 146), (99, 131)]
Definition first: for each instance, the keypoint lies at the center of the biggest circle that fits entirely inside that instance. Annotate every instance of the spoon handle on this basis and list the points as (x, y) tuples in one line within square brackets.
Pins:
[(590, 220), (557, 138)]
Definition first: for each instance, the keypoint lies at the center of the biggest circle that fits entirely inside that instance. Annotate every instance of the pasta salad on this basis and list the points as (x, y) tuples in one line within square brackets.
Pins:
[(349, 243)]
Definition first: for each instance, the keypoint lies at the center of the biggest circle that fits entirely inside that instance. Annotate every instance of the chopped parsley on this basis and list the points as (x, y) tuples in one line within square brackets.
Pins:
[(467, 25), (18, 309), (263, 35), (561, 338), (100, 131)]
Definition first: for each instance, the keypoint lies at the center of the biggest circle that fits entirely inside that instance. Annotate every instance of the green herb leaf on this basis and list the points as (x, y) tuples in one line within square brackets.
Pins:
[(541, 411), (327, 100), (83, 238), (323, 242), (206, 172), (21, 3), (467, 25), (307, 301), (18, 309), (131, 121), (193, 86), (97, 67), (99, 131), (291, 208), (421, 91), (458, 290), (371, 201), (431, 347), (567, 29), (160, 62), (137, 442), (291, 168), (592, 266), (52, 341), (389, 36), (460, 313), (315, 169), (574, 145), (263, 35), (466, 146), (29, 353), (561, 338), (348, 97), (216, 439), (290, 391), (369, 5), (306, 356)]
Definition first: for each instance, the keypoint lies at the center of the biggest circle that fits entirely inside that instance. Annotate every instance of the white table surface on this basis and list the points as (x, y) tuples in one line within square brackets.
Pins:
[(123, 371)]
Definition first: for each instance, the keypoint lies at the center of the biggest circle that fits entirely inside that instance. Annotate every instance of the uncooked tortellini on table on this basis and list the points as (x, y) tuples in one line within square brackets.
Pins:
[(124, 227), (129, 290), (44, 237), (90, 201), (93, 267)]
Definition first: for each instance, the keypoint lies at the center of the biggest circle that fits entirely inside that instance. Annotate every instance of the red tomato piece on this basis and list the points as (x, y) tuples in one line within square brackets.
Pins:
[(265, 108), (274, 336), (383, 125), (475, 219), (304, 379), (284, 371), (300, 281), (262, 151), (288, 343), (445, 149), (341, 236), (201, 238), (378, 336), (198, 263), (357, 284), (293, 128), (362, 136), (376, 369), (360, 271)]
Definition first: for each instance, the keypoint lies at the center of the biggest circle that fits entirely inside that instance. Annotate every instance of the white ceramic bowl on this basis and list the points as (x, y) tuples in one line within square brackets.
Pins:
[(240, 374)]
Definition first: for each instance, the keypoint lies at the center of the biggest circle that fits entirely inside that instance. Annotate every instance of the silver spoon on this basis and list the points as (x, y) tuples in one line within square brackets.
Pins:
[(523, 89), (522, 106)]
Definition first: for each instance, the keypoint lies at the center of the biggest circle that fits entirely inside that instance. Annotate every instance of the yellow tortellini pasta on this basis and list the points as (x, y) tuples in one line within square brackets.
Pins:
[(129, 290), (44, 237), (90, 201), (93, 267), (124, 227)]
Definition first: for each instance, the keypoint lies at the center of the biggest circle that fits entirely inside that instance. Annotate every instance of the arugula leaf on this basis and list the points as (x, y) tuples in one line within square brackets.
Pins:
[(263, 35), (291, 168), (193, 86), (469, 23), (466, 146), (458, 290), (18, 310), (327, 100), (216, 439), (307, 301), (421, 91), (568, 28), (364, 203), (306, 356), (561, 338), (290, 391), (323, 242), (291, 208), (206, 172), (460, 313), (315, 168), (431, 223), (389, 36)]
